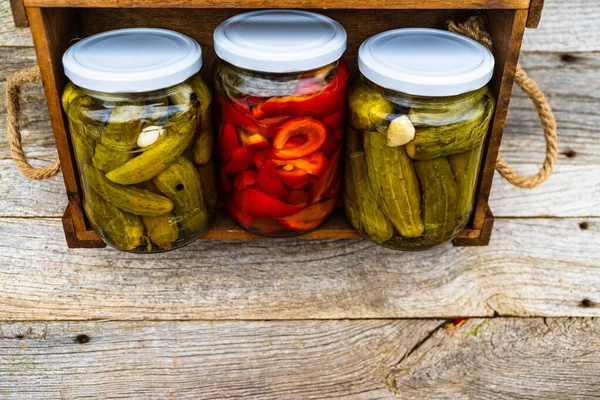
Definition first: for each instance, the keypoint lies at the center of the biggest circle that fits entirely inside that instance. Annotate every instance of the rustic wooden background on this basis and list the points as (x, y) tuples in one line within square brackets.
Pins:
[(337, 319)]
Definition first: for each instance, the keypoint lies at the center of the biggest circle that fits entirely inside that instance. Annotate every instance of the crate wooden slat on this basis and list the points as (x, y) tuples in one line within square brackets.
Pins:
[(54, 23)]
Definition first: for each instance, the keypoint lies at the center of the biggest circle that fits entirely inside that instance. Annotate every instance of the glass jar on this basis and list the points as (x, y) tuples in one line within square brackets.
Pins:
[(140, 124), (281, 95), (417, 124)]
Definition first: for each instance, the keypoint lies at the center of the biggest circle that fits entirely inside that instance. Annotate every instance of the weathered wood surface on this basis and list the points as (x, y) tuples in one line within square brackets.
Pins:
[(501, 358), (533, 267), (496, 359)]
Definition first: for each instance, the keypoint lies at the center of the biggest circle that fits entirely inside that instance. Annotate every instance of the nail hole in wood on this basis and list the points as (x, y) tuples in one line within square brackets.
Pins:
[(570, 153), (587, 303), (82, 339), (584, 226), (19, 337), (568, 58)]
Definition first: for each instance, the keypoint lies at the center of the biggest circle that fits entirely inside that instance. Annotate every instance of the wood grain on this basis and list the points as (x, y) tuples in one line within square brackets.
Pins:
[(525, 271), (535, 13), (500, 358), (537, 359), (204, 360), (328, 4), (19, 13)]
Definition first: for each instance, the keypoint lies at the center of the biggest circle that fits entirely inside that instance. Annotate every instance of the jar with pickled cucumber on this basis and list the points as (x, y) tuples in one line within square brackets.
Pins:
[(280, 93), (418, 119), (140, 126)]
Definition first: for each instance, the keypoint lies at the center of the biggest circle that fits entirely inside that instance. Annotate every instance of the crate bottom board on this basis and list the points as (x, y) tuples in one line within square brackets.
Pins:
[(336, 227)]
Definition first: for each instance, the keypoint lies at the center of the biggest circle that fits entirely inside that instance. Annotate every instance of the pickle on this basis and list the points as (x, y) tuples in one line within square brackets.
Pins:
[(69, 95), (203, 146), (439, 141), (83, 145), (354, 140), (440, 198), (465, 168), (394, 184), (372, 220), (205, 119), (106, 159), (203, 97), (454, 109), (127, 198), (124, 125), (123, 229), (162, 230), (180, 183), (208, 180), (367, 108), (351, 197), (158, 156)]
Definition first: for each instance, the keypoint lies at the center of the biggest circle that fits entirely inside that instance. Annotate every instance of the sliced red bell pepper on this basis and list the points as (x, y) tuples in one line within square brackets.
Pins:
[(339, 133), (298, 198), (301, 226), (311, 129), (265, 226), (232, 115), (313, 164), (236, 160), (333, 121), (315, 212), (252, 201), (331, 144), (294, 142), (329, 178), (294, 179), (323, 102), (238, 216), (268, 180), (334, 190), (252, 139), (244, 179), (261, 157), (228, 139)]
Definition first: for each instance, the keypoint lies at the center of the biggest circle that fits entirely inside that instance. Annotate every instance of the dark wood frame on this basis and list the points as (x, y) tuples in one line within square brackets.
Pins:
[(54, 23)]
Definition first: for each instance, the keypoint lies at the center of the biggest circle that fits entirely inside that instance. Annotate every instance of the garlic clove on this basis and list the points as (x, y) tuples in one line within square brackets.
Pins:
[(400, 131), (149, 135)]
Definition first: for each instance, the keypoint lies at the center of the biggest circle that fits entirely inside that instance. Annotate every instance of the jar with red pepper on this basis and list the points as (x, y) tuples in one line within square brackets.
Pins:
[(280, 88)]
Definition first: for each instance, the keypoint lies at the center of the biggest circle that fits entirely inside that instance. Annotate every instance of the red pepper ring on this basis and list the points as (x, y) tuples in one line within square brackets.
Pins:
[(255, 203), (317, 211), (311, 129), (313, 164)]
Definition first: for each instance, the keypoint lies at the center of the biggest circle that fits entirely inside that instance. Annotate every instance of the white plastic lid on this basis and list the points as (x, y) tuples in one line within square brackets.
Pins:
[(132, 60), (425, 62), (280, 40)]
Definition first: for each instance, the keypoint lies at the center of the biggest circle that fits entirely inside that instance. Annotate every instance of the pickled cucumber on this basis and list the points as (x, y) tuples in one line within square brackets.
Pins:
[(124, 125), (367, 108), (180, 183), (394, 184), (208, 180), (83, 145), (465, 168), (124, 230), (351, 197), (203, 147), (372, 220), (440, 141), (127, 198), (162, 230), (354, 140), (440, 198), (157, 158), (70, 93), (106, 159)]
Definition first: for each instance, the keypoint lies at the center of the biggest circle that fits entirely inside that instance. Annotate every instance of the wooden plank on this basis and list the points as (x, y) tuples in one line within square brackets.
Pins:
[(318, 4), (204, 360), (500, 358), (525, 271), (549, 359), (9, 34), (19, 14), (566, 26), (535, 13)]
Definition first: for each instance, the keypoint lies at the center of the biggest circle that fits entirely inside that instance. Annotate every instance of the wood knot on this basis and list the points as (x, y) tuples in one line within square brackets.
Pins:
[(586, 303), (584, 225), (568, 58), (82, 339), (570, 153)]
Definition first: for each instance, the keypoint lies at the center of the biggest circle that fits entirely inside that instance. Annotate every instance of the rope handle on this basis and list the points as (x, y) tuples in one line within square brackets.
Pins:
[(13, 113), (475, 28)]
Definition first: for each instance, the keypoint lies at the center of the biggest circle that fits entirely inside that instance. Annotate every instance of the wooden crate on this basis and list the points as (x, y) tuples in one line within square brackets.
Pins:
[(55, 23)]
